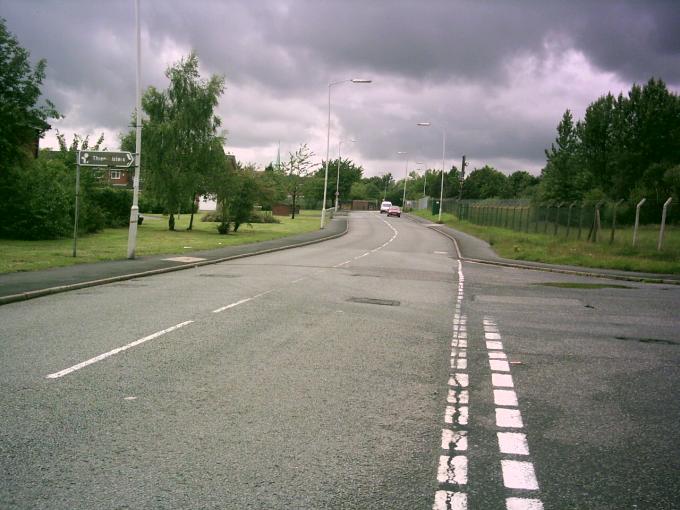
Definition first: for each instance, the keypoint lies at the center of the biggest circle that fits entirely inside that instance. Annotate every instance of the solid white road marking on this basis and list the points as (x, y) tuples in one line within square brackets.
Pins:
[(115, 351), (448, 500), (523, 504), (452, 469), (505, 398), (519, 475), (509, 418), (513, 443)]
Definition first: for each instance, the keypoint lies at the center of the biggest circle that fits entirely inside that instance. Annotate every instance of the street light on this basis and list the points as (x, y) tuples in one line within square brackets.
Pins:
[(328, 141), (403, 200), (441, 194), (420, 163), (337, 185)]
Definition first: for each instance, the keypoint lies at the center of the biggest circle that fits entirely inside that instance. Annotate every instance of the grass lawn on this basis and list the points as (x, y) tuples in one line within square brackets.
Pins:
[(552, 249), (153, 238)]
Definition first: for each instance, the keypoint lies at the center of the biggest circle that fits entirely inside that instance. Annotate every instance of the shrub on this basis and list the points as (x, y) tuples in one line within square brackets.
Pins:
[(213, 216), (263, 217)]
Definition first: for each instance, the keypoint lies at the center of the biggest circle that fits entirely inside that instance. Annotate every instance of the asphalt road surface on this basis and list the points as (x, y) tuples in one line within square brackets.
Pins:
[(370, 371)]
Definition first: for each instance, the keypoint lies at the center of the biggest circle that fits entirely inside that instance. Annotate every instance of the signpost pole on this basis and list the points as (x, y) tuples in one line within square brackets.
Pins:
[(75, 223)]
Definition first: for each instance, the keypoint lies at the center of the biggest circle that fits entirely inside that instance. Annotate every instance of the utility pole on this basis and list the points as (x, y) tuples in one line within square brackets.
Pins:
[(462, 177)]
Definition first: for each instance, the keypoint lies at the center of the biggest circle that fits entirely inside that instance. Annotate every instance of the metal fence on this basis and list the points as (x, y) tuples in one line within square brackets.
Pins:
[(592, 221)]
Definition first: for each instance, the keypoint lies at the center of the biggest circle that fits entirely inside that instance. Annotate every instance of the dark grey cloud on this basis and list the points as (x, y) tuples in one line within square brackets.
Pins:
[(495, 75)]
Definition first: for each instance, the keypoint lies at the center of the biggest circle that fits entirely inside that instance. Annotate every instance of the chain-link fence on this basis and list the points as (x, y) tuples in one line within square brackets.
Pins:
[(588, 220)]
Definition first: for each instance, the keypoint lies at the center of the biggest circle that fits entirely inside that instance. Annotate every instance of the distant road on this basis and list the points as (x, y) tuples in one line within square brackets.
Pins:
[(372, 371)]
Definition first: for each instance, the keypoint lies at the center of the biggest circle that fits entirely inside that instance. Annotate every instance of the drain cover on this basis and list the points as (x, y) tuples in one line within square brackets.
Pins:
[(374, 301)]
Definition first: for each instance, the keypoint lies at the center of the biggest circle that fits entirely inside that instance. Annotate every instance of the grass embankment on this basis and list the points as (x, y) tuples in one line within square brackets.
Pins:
[(153, 238), (558, 249)]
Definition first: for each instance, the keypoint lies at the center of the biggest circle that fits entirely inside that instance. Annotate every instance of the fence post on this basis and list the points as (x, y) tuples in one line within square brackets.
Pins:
[(536, 217), (580, 220), (597, 224), (663, 223), (497, 215), (616, 206), (528, 216), (637, 220), (557, 217), (547, 219), (571, 206)]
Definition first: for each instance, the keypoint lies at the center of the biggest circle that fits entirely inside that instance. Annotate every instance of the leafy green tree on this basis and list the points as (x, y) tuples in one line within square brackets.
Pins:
[(179, 136), (349, 174), (521, 184), (22, 119), (243, 196), (485, 182), (563, 175)]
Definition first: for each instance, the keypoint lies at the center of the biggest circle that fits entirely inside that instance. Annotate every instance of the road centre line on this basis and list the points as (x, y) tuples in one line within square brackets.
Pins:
[(232, 305), (90, 361)]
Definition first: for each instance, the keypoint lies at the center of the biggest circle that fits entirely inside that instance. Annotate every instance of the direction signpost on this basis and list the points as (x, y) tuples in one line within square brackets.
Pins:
[(101, 159)]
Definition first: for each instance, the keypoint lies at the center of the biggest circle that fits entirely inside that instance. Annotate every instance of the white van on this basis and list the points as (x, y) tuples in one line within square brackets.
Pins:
[(385, 206)]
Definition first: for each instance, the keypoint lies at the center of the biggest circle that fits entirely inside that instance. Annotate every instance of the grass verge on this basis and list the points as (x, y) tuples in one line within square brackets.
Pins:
[(153, 238), (539, 247)]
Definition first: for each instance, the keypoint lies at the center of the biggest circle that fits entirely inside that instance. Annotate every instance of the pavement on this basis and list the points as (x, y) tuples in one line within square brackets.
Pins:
[(27, 285), (472, 249)]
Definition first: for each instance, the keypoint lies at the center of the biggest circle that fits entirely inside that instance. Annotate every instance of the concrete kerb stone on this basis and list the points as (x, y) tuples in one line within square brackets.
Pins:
[(23, 296), (553, 269)]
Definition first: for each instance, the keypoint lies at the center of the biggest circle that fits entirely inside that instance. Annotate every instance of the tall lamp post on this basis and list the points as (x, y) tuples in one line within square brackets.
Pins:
[(328, 141), (134, 210), (403, 200), (337, 184), (420, 163), (441, 193)]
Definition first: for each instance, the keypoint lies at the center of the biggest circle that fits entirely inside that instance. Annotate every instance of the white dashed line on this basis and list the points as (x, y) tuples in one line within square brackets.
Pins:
[(447, 500), (499, 365), (459, 380), (90, 361), (454, 440), (509, 418), (452, 470), (502, 381), (518, 474), (456, 415), (505, 398), (523, 504), (232, 305), (513, 443)]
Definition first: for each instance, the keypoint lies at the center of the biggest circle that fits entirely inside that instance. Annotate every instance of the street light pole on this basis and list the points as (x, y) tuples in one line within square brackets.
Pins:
[(134, 210), (328, 142), (441, 193), (403, 200)]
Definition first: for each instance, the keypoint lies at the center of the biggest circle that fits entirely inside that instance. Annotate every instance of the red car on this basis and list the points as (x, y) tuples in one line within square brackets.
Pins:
[(394, 211)]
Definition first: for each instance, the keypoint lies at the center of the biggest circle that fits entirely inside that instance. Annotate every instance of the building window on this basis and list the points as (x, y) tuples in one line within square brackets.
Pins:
[(115, 175)]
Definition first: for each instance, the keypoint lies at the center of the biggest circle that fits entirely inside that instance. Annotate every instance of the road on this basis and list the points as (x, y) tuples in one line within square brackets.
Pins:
[(370, 371)]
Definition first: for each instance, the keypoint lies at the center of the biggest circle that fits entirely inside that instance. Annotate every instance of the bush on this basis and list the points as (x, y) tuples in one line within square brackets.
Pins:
[(263, 217), (213, 216), (114, 204), (223, 228), (36, 201)]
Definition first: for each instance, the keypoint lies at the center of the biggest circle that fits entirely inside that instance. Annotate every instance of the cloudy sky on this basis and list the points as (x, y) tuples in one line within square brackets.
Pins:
[(496, 76)]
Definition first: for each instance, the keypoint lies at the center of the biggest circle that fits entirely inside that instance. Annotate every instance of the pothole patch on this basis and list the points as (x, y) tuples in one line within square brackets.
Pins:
[(374, 301)]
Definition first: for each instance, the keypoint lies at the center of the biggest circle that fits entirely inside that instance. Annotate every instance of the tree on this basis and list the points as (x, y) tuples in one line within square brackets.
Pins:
[(296, 169), (485, 182), (243, 196), (520, 184), (179, 137), (22, 120), (563, 175)]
